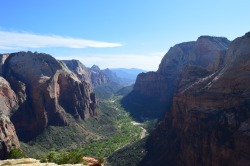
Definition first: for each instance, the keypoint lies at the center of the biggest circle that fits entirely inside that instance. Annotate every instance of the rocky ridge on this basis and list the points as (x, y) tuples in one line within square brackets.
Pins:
[(207, 53), (97, 76), (93, 76), (37, 91), (208, 123)]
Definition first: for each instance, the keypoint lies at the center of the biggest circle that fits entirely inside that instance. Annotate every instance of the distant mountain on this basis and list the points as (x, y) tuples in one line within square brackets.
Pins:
[(123, 76), (112, 76), (97, 76), (128, 73), (93, 76)]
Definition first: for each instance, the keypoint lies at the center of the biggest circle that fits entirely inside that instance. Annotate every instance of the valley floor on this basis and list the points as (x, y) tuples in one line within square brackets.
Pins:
[(112, 130)]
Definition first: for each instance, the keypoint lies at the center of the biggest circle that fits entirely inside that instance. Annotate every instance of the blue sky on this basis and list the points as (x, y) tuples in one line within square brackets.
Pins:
[(116, 33)]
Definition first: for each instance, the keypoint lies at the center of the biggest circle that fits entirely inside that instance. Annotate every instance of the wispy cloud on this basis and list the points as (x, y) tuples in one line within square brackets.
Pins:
[(24, 40)]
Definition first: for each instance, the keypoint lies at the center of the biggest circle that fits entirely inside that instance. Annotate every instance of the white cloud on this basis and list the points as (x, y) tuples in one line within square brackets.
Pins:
[(148, 62), (17, 40)]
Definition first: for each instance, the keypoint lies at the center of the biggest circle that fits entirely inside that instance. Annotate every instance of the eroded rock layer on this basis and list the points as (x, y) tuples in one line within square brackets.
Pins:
[(209, 121), (8, 105), (158, 88), (47, 91)]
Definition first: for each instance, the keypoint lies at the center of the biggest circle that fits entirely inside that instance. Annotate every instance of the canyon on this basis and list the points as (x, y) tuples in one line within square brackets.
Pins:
[(199, 95)]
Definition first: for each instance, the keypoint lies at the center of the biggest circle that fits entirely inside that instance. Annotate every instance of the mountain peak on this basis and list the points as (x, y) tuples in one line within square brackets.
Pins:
[(247, 34), (95, 68)]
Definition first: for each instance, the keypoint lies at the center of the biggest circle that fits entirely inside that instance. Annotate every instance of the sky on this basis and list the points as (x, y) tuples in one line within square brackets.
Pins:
[(116, 33)]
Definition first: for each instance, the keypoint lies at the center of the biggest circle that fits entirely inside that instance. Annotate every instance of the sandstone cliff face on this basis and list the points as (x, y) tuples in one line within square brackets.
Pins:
[(8, 104), (8, 99), (82, 72), (47, 91), (209, 121), (207, 54), (8, 137), (97, 76), (93, 76)]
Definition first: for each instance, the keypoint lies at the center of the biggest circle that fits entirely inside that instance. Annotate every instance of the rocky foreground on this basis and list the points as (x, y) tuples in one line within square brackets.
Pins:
[(30, 162)]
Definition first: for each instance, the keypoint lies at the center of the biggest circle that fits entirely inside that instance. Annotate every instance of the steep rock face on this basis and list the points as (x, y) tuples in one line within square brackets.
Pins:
[(209, 122), (93, 76), (3, 57), (207, 54), (8, 137), (48, 92), (8, 104), (82, 72), (97, 76), (8, 99)]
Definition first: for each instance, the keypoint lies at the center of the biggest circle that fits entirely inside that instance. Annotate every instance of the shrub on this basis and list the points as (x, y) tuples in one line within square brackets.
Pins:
[(16, 153), (63, 157), (101, 160)]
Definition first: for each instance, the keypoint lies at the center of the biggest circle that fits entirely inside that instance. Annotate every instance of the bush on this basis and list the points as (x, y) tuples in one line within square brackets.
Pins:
[(101, 160), (16, 153), (63, 157)]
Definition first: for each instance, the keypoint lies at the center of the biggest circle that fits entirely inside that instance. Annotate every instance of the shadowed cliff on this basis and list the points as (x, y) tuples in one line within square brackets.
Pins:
[(209, 120), (153, 91)]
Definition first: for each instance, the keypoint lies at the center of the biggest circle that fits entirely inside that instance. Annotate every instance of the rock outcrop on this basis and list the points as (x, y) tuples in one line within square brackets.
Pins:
[(94, 75), (8, 104), (8, 99), (209, 121), (112, 76), (97, 76), (81, 71), (32, 162), (207, 53), (8, 137), (47, 91)]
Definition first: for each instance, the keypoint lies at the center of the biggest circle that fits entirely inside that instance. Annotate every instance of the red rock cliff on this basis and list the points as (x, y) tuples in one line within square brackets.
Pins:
[(8, 104), (209, 121), (158, 88), (47, 91)]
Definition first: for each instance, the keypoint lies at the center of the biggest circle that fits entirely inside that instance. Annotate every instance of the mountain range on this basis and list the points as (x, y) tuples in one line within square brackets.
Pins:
[(200, 96)]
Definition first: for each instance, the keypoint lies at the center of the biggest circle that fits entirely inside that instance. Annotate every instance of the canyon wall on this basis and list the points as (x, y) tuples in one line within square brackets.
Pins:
[(209, 121)]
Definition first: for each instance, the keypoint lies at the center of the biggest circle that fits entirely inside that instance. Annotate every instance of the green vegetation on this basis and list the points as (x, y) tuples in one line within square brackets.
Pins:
[(98, 136), (106, 91), (130, 155), (149, 125), (63, 157), (58, 138), (127, 133), (101, 160), (16, 153), (125, 90)]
